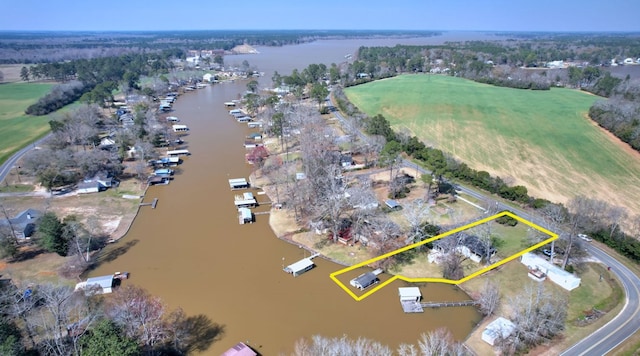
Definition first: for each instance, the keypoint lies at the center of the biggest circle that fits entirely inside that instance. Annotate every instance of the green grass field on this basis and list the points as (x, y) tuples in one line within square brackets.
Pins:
[(540, 139), (16, 128)]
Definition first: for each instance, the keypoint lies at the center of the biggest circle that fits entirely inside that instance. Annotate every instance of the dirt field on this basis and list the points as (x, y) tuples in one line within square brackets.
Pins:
[(11, 72)]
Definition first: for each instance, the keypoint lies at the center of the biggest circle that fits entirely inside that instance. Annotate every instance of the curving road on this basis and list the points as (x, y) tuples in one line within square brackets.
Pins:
[(612, 334), (6, 167)]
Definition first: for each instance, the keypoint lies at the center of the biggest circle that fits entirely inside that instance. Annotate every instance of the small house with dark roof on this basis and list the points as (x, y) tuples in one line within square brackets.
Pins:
[(470, 246), (366, 280), (23, 224)]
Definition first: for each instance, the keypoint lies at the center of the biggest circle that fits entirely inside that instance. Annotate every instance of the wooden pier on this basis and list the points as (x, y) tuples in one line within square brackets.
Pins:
[(152, 204), (418, 307), (463, 303)]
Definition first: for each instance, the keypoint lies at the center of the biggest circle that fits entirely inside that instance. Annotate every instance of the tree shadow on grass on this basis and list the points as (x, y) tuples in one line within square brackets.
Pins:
[(27, 254)]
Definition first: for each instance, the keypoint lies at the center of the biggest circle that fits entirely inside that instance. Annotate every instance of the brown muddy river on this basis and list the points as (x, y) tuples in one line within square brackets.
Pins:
[(191, 251)]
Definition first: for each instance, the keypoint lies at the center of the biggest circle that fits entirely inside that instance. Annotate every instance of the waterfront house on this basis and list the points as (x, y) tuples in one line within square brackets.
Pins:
[(23, 224), (366, 280)]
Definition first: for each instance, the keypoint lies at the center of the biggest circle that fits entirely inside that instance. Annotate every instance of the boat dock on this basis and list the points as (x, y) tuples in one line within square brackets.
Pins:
[(152, 204), (464, 303), (418, 307)]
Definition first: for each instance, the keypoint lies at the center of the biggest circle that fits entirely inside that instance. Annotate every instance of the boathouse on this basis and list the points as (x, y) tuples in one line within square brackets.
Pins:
[(157, 180), (300, 267), (409, 294), (366, 280), (245, 216), (238, 183), (240, 349), (245, 200), (97, 285), (176, 153)]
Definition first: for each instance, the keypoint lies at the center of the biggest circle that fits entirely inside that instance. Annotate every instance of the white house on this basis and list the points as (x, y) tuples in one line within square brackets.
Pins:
[(208, 77), (499, 328), (556, 274)]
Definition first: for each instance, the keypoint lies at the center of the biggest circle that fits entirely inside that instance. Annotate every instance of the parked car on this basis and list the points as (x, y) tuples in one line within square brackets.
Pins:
[(584, 237)]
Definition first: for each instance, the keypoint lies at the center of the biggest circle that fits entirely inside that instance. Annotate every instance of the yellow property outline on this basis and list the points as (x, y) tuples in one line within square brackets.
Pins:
[(334, 275)]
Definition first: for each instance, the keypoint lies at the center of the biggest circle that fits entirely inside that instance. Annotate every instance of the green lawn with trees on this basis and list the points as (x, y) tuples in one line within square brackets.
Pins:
[(541, 139), (16, 128)]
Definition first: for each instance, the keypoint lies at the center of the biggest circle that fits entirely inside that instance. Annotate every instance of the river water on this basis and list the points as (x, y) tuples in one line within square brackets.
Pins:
[(191, 251)]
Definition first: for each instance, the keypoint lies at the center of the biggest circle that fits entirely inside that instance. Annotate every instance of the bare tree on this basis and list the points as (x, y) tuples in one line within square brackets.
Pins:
[(139, 314), (439, 342), (62, 320), (489, 297), (321, 346), (582, 210), (538, 316), (416, 212)]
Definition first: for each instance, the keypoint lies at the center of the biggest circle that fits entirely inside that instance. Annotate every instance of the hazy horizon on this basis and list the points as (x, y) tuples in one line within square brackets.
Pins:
[(254, 15)]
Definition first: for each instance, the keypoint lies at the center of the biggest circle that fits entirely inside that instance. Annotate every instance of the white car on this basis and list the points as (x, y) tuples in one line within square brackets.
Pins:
[(584, 237)]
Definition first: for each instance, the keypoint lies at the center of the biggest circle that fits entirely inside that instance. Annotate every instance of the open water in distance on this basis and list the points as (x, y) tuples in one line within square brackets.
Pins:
[(191, 251)]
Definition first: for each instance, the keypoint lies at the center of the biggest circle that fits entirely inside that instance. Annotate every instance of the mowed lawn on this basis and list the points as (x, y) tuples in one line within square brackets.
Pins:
[(16, 128), (540, 139)]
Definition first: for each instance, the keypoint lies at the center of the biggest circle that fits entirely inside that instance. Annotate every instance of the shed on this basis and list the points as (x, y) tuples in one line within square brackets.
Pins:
[(240, 349), (299, 267), (409, 294), (392, 204), (499, 328)]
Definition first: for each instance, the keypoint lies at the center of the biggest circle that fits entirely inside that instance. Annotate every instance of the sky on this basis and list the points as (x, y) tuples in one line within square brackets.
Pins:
[(442, 15)]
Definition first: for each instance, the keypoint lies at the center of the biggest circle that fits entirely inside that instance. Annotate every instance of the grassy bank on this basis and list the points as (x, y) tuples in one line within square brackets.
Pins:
[(540, 139), (17, 129)]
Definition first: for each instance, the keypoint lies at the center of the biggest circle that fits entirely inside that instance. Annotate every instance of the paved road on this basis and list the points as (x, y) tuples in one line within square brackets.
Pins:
[(6, 167), (608, 337)]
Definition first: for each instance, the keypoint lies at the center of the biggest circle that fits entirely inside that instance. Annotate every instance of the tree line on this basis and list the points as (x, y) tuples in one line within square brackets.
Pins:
[(93, 80), (48, 319)]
